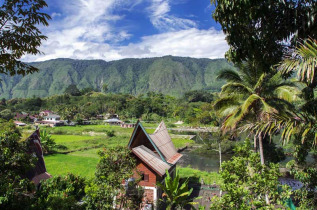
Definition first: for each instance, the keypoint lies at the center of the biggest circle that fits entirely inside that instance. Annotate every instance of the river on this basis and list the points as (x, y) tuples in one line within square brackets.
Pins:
[(208, 163)]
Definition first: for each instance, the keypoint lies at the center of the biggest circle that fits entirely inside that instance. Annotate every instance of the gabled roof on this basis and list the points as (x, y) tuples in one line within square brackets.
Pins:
[(151, 159), (39, 171), (139, 127), (164, 143), (161, 142)]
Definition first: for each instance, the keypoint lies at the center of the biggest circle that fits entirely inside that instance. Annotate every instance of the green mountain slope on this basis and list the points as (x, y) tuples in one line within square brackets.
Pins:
[(167, 75)]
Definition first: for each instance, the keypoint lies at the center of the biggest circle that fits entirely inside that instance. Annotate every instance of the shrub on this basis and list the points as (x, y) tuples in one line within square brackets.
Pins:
[(110, 133), (61, 192)]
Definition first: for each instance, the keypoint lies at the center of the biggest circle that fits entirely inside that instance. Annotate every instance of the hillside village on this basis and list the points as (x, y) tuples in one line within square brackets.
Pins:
[(158, 105)]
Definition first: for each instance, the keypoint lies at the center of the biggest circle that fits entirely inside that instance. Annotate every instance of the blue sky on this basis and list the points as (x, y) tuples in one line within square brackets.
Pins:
[(117, 29)]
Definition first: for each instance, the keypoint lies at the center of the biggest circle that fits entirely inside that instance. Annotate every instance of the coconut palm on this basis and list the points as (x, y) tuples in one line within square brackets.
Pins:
[(302, 122), (303, 60), (250, 95)]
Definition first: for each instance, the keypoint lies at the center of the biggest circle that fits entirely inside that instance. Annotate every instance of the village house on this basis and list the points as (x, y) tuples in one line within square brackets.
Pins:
[(127, 125), (52, 117), (155, 154), (113, 121), (51, 120), (45, 113), (25, 117), (19, 123), (111, 116)]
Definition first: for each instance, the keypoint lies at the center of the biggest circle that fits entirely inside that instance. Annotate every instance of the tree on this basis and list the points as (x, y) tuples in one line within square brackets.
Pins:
[(249, 95), (176, 194), (258, 30), (61, 192), (48, 143), (303, 61), (20, 34), (198, 95), (72, 90), (68, 112), (15, 189), (115, 165), (104, 88), (247, 182), (301, 122)]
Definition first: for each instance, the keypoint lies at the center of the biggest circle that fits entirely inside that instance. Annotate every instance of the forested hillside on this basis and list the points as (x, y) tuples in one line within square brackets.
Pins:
[(168, 75)]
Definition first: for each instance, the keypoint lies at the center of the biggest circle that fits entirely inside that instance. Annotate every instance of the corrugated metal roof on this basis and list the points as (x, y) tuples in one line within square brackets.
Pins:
[(152, 159), (163, 141)]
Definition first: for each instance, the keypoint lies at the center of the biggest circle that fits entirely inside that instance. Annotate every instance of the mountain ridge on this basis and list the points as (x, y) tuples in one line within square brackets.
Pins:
[(168, 75)]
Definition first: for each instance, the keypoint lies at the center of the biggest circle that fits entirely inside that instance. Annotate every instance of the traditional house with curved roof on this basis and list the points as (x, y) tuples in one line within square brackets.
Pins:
[(155, 154)]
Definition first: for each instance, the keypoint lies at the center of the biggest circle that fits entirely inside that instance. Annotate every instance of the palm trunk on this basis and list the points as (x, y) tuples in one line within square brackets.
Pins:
[(220, 161), (261, 148), (255, 144), (267, 200)]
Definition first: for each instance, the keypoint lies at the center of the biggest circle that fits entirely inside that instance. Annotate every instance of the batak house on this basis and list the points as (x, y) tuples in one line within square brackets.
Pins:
[(155, 153)]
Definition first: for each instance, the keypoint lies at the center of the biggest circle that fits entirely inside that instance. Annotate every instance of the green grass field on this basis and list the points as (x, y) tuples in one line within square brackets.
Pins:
[(196, 176), (81, 144)]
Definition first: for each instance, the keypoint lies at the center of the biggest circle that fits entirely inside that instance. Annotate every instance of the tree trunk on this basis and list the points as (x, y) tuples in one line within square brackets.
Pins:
[(267, 200), (255, 143), (220, 159), (261, 147)]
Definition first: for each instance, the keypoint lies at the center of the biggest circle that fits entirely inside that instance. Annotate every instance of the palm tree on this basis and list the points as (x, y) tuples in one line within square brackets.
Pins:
[(302, 122), (250, 95), (303, 60), (176, 194)]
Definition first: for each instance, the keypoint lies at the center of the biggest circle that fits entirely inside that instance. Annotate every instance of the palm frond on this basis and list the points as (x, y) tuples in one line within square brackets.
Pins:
[(233, 88), (303, 60), (229, 75)]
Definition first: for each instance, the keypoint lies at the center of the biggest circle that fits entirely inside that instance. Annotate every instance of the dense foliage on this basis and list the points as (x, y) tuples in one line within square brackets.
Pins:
[(15, 188), (20, 34), (149, 107), (61, 192), (115, 166), (258, 30), (247, 183), (176, 193)]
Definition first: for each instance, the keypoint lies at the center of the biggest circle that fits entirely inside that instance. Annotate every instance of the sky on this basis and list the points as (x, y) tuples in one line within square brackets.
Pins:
[(117, 29)]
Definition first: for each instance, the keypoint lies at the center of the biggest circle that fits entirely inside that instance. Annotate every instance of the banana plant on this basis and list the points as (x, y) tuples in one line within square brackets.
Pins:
[(176, 194)]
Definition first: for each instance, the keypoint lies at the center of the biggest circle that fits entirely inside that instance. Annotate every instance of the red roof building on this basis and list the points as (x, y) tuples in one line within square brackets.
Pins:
[(155, 154)]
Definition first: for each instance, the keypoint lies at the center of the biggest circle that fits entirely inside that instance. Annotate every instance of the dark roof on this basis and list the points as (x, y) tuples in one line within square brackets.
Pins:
[(35, 148)]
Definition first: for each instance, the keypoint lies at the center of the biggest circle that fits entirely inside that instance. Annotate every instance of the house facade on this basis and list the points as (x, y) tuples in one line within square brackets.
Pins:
[(52, 117), (51, 120), (155, 154)]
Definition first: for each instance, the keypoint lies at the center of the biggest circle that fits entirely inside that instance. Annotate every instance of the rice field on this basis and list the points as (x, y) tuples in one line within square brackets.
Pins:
[(78, 147)]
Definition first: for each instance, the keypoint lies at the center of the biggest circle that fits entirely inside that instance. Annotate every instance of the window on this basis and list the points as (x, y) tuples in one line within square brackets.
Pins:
[(145, 177)]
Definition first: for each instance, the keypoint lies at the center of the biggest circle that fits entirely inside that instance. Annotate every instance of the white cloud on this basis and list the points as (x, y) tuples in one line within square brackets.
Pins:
[(191, 42), (87, 32), (188, 43), (159, 13)]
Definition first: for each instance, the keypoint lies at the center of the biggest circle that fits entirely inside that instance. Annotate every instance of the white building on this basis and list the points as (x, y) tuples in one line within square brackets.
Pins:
[(52, 118)]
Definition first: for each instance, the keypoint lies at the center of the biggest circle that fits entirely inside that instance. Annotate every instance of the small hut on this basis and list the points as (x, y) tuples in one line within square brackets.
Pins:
[(155, 153)]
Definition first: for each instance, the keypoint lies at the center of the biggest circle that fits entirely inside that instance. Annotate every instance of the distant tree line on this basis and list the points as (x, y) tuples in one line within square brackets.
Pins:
[(194, 107)]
